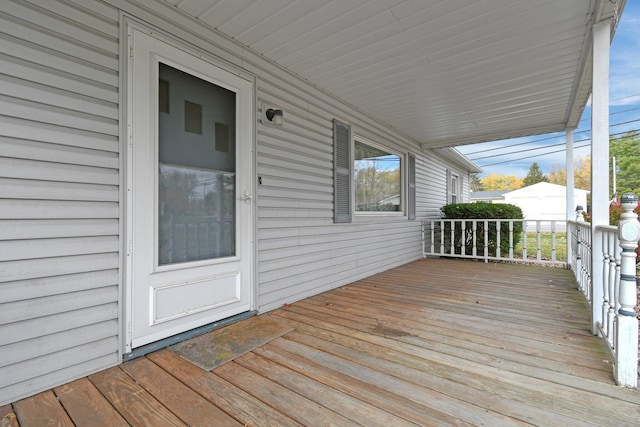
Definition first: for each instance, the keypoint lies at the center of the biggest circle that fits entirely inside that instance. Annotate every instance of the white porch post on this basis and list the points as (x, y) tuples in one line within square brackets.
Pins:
[(569, 190), (626, 333), (599, 161)]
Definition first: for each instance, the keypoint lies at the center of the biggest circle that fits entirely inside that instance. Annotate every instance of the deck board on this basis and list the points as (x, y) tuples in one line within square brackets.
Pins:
[(177, 397), (135, 404), (41, 410), (236, 402), (434, 342), (87, 406), (8, 416), (297, 407)]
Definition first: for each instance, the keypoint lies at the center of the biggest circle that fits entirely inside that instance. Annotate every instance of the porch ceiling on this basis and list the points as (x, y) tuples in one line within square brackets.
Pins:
[(444, 73)]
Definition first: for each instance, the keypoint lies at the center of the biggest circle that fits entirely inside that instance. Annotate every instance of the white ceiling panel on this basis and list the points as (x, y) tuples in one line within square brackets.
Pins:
[(445, 73)]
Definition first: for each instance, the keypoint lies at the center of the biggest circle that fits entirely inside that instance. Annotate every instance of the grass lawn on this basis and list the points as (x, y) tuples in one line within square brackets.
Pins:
[(545, 246)]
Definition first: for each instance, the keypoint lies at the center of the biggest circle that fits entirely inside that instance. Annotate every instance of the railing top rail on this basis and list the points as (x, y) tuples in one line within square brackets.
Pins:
[(583, 224), (493, 219), (609, 228)]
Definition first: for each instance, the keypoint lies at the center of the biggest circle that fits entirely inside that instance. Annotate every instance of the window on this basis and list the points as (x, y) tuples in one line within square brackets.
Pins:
[(377, 178), (368, 178), (453, 187)]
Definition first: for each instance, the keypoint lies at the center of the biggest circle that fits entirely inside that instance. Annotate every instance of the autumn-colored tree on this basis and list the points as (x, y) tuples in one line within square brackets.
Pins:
[(494, 182), (581, 174), (558, 175)]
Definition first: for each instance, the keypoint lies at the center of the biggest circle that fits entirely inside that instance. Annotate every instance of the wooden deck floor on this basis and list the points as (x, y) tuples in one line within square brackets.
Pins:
[(434, 342)]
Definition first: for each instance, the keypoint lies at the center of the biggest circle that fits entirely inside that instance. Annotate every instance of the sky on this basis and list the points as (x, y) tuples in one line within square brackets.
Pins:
[(624, 110)]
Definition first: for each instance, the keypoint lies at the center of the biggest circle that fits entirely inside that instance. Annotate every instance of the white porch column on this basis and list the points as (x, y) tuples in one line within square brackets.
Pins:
[(569, 190), (599, 161), (626, 333), (571, 207)]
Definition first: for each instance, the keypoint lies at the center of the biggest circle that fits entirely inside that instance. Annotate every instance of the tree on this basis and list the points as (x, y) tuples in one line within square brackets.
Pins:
[(374, 185), (558, 175), (581, 174), (626, 150), (475, 183), (534, 176), (494, 182)]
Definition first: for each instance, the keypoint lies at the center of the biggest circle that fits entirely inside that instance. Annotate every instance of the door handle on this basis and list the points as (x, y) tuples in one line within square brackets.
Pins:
[(246, 198)]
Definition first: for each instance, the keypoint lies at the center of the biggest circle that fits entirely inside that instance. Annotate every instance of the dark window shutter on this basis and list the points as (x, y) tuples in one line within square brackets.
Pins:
[(411, 187), (341, 172)]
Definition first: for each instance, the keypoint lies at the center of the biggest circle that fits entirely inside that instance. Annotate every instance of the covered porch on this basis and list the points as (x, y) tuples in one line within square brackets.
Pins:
[(433, 342)]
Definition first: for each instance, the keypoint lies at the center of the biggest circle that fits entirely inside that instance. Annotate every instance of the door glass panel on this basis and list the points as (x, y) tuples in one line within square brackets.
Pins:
[(196, 177)]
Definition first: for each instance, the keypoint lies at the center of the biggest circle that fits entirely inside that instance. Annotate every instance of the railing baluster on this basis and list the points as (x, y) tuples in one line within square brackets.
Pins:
[(538, 242), (616, 288), (604, 327), (553, 241), (475, 238), (486, 240), (452, 228), (433, 236), (578, 271), (524, 240), (510, 239), (613, 272), (463, 235), (498, 223)]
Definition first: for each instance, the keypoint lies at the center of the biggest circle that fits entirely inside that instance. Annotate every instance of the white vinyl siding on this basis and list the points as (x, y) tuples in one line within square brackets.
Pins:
[(59, 193), (300, 250)]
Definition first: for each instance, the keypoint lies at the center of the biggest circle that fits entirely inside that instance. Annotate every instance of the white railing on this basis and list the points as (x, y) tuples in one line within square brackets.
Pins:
[(580, 258), (494, 239), (610, 283), (616, 322)]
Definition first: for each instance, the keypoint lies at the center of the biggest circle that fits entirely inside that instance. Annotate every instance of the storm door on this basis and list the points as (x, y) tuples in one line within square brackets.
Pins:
[(190, 191)]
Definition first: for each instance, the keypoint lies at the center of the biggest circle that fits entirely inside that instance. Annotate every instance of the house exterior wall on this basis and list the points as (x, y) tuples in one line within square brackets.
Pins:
[(62, 192), (59, 195)]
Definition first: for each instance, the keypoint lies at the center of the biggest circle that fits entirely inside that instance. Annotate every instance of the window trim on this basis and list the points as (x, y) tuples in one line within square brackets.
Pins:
[(403, 184), (451, 189), (455, 187), (411, 186)]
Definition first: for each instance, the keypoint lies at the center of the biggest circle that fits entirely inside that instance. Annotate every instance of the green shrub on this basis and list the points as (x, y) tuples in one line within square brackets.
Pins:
[(483, 211)]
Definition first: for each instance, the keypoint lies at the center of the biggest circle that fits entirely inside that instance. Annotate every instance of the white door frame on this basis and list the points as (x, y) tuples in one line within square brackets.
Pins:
[(126, 79)]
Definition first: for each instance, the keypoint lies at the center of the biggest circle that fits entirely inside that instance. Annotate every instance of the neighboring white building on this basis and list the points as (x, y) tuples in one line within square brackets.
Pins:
[(545, 201), (541, 201)]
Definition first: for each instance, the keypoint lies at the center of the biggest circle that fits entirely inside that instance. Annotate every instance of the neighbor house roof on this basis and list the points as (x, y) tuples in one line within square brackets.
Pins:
[(487, 195), (544, 189)]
